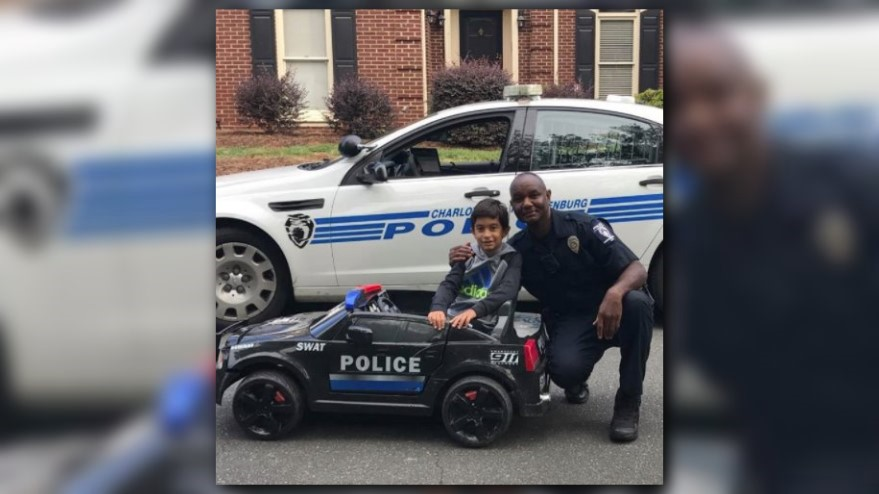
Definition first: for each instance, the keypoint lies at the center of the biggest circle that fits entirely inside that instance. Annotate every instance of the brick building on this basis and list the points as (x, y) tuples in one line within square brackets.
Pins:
[(615, 52)]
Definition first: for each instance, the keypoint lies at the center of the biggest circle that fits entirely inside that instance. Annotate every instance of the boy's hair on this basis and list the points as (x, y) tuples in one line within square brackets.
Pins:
[(491, 208)]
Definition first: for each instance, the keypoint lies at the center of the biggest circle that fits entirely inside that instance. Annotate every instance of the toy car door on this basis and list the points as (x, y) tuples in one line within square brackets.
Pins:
[(396, 358)]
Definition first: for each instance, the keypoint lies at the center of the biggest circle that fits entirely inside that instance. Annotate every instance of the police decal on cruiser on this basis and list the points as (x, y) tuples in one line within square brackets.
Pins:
[(303, 230)]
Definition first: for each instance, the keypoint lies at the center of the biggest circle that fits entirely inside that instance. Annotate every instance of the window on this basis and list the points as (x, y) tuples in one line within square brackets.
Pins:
[(473, 147), (417, 332), (616, 55), (569, 139), (306, 50), (384, 330)]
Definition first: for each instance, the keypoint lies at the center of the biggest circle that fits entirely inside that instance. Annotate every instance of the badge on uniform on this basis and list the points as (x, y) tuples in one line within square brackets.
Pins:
[(602, 232), (574, 244)]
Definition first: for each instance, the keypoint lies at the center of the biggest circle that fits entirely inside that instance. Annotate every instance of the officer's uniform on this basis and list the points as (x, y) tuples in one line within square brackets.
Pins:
[(569, 271)]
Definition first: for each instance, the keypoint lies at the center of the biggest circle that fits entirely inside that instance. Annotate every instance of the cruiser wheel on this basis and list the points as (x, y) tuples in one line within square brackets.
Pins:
[(252, 280)]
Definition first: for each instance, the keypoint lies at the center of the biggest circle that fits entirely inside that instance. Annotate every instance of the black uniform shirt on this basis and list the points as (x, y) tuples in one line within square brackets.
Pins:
[(572, 268)]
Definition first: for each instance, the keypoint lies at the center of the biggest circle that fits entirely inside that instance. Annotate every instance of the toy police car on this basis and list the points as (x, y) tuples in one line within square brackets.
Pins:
[(364, 355)]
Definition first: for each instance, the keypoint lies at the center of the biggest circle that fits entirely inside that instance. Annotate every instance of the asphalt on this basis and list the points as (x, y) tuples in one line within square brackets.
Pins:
[(568, 445)]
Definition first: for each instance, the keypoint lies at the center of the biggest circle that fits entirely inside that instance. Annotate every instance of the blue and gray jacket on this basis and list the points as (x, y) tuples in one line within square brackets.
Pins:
[(481, 283)]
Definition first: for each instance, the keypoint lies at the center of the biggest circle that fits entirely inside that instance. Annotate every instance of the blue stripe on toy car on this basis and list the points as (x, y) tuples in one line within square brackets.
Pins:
[(376, 383)]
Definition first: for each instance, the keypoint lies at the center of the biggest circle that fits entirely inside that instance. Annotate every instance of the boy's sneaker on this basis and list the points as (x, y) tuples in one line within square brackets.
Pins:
[(578, 394), (626, 414)]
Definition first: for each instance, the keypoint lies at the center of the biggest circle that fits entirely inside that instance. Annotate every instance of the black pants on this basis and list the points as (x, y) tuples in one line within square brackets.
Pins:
[(574, 347)]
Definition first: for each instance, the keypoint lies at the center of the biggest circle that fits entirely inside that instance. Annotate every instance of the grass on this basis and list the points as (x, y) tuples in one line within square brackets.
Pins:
[(272, 152), (307, 151)]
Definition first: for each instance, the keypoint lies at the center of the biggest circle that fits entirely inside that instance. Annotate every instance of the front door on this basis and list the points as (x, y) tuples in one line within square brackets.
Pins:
[(481, 35), (398, 233), (399, 361)]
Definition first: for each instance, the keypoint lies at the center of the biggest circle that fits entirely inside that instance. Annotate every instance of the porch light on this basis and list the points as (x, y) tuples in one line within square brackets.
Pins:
[(522, 18)]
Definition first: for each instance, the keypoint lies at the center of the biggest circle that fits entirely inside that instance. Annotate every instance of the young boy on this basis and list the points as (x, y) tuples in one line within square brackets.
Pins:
[(475, 289)]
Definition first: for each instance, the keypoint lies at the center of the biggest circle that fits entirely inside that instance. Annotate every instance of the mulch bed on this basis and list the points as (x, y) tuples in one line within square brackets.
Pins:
[(256, 138)]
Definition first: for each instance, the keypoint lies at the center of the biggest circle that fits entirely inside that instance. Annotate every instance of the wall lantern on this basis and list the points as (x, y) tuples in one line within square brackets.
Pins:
[(435, 17), (522, 18)]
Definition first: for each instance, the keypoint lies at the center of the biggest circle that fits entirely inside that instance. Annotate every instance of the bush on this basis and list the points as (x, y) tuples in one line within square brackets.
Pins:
[(652, 97), (359, 107), (471, 82), (270, 103), (568, 90)]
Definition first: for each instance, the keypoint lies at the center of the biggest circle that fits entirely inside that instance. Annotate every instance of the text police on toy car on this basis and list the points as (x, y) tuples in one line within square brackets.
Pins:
[(363, 363), (590, 286)]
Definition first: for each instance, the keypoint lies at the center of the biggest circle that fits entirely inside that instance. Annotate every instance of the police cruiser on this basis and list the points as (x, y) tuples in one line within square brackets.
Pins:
[(388, 211), (364, 356)]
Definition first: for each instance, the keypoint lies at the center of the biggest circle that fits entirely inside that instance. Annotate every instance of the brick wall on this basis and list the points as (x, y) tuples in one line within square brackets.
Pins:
[(436, 53), (233, 62), (567, 48), (661, 47), (389, 54), (535, 48)]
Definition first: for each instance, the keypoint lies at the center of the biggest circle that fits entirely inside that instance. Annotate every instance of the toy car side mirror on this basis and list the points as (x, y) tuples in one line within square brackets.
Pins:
[(359, 335)]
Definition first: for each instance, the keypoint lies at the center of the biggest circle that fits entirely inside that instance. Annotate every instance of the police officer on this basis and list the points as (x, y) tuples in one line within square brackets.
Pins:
[(590, 286)]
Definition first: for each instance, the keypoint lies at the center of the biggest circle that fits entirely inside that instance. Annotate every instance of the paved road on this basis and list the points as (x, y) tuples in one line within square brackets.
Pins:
[(569, 445)]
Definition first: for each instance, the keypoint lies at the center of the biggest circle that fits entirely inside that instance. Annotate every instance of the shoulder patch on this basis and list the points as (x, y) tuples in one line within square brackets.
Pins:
[(602, 232)]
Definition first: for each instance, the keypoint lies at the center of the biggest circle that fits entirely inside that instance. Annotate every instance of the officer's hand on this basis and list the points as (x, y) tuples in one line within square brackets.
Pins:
[(460, 253), (463, 319), (607, 322), (437, 319)]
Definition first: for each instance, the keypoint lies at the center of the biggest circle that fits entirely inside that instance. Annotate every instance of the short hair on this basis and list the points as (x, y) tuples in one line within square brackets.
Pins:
[(491, 208), (527, 174)]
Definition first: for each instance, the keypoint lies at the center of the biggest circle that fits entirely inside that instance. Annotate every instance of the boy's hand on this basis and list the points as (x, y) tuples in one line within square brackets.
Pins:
[(437, 319), (463, 319), (460, 253)]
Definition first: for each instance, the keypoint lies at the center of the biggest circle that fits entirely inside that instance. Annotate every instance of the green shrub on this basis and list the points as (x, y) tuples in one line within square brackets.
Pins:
[(270, 103), (652, 97), (360, 107), (568, 90)]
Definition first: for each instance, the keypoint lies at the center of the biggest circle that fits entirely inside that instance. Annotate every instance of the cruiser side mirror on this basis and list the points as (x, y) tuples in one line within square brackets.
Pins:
[(350, 146), (373, 173), (380, 171), (359, 335)]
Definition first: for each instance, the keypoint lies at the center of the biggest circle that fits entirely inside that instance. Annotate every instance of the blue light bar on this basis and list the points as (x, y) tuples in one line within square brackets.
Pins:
[(351, 298)]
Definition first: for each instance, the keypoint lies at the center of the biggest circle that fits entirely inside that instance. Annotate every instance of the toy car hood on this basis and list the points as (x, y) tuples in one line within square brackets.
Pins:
[(279, 328)]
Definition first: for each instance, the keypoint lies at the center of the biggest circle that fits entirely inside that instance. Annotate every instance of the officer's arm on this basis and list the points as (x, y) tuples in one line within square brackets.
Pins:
[(633, 277), (616, 259)]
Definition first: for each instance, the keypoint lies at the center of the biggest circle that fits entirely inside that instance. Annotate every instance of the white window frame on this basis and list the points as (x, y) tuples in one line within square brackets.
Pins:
[(317, 118), (636, 46)]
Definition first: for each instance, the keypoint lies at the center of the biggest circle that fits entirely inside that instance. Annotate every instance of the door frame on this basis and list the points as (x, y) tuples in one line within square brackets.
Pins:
[(498, 15)]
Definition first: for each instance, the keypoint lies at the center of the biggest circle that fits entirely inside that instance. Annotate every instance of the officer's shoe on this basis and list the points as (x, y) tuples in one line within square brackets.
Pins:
[(626, 413), (578, 394)]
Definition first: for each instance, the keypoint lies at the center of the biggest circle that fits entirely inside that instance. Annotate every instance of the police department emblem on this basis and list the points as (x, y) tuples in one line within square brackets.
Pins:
[(574, 244), (300, 227), (602, 232)]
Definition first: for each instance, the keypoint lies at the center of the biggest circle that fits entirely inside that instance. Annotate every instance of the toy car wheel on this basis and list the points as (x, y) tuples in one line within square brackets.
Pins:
[(476, 411), (268, 405)]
